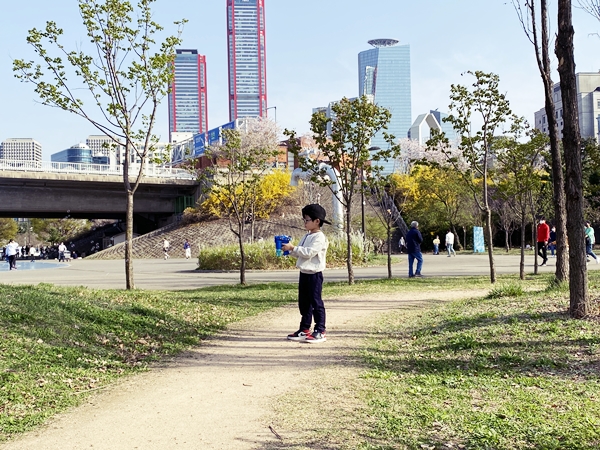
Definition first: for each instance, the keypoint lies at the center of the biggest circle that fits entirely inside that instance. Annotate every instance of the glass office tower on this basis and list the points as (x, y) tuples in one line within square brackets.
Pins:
[(188, 104), (247, 58), (384, 73)]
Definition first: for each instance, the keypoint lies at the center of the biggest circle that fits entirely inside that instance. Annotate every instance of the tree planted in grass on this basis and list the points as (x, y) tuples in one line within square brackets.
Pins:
[(535, 25), (347, 149), (232, 180), (521, 179), (125, 76), (580, 303), (484, 100), (383, 192)]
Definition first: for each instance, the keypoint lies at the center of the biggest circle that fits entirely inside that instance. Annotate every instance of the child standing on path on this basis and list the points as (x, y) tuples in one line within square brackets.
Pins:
[(436, 245), (311, 252)]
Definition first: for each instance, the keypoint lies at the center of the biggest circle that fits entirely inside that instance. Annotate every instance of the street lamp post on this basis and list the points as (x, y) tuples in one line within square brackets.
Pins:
[(272, 107)]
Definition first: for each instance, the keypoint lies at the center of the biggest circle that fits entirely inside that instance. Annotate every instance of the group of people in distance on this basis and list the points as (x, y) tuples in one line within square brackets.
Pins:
[(546, 239), (186, 247)]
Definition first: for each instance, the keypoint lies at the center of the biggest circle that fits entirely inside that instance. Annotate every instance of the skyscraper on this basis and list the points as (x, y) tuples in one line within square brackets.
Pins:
[(384, 73), (188, 104), (247, 58)]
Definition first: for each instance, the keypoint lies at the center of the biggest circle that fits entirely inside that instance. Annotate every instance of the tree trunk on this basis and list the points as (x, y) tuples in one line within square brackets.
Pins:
[(522, 261), (536, 250), (579, 297), (129, 284), (506, 243), (389, 249), (349, 249), (488, 232), (242, 259), (558, 183)]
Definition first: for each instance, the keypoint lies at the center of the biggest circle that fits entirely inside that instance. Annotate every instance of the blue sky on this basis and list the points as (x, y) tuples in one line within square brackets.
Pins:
[(312, 48)]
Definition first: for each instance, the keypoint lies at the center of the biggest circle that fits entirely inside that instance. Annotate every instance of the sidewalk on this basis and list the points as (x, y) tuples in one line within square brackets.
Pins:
[(177, 274)]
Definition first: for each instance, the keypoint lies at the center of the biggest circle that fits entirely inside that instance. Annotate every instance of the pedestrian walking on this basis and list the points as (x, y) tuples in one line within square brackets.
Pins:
[(310, 253), (552, 242), (590, 240), (11, 252), (62, 248), (166, 246), (450, 243), (543, 236), (436, 245), (413, 246), (402, 244), (188, 249)]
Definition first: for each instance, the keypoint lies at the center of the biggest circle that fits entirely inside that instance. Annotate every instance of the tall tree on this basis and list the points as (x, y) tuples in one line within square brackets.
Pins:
[(8, 229), (233, 178), (347, 149), (520, 179), (383, 192), (580, 304), (125, 76), (55, 231), (492, 108), (590, 158), (443, 201), (536, 29)]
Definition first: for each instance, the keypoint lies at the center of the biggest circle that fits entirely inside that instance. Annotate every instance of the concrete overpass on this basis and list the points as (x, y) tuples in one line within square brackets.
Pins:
[(89, 195)]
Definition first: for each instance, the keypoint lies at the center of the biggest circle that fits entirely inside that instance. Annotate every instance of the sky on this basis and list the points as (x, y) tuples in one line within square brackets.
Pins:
[(312, 56)]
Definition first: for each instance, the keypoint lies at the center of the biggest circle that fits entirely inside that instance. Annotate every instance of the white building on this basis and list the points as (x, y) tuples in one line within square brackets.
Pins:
[(420, 131), (102, 145), (22, 149), (588, 101)]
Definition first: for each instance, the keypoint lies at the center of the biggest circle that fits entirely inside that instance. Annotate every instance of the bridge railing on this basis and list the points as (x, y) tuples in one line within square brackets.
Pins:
[(151, 170)]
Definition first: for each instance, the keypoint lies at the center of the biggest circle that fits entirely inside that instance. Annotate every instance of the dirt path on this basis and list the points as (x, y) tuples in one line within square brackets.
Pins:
[(218, 395)]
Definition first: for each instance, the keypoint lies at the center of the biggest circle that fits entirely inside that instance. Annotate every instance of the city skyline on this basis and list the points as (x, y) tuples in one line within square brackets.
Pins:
[(312, 57)]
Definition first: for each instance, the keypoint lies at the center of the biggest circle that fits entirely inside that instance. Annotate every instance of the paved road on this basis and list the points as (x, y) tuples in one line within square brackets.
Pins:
[(175, 274)]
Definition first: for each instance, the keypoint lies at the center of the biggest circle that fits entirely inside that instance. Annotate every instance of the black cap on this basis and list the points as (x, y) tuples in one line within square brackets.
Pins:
[(315, 211)]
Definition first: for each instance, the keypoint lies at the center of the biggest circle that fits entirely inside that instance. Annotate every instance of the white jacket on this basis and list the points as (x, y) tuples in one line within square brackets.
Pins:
[(311, 252)]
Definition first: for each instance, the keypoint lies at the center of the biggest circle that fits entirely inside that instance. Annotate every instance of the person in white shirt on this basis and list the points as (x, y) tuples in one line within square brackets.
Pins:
[(450, 243), (62, 248), (12, 249), (311, 253), (166, 247)]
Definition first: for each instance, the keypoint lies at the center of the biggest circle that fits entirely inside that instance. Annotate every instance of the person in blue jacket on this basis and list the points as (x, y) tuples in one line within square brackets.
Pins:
[(413, 246)]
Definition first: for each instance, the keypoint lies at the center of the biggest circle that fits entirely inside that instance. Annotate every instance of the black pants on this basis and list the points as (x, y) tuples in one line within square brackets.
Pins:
[(543, 251), (310, 301), (12, 261)]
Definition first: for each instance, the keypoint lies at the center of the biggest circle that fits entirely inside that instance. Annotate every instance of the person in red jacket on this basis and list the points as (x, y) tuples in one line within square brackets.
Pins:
[(543, 236)]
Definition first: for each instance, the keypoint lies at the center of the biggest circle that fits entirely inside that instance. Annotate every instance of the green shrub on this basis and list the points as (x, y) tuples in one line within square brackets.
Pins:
[(507, 290), (261, 255)]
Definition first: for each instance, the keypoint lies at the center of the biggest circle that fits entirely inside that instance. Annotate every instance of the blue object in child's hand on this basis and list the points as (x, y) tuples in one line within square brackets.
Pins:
[(279, 241)]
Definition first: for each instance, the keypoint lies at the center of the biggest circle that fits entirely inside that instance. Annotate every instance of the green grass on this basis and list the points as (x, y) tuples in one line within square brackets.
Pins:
[(505, 372), (57, 344)]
